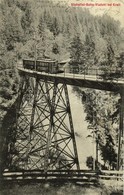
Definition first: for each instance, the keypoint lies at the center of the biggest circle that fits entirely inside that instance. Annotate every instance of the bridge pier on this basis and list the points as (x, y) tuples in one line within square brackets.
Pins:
[(45, 137)]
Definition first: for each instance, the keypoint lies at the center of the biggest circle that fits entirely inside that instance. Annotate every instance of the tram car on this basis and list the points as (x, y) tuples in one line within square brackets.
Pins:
[(42, 65)]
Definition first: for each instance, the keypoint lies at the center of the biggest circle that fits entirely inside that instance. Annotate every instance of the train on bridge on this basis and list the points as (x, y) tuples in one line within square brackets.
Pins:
[(48, 65), (43, 65)]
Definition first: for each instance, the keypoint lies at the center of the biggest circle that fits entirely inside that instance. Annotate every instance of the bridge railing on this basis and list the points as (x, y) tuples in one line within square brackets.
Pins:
[(104, 74), (113, 74), (77, 175), (94, 71)]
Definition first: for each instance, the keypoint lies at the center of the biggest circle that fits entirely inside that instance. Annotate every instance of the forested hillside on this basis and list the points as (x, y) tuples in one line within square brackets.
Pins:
[(29, 29)]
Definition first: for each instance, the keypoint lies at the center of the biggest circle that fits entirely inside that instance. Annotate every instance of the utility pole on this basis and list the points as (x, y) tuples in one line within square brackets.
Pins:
[(96, 151), (35, 52), (94, 148), (121, 126)]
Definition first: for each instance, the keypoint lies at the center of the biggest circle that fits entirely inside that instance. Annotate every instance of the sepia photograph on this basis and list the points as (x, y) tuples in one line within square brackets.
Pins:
[(61, 97)]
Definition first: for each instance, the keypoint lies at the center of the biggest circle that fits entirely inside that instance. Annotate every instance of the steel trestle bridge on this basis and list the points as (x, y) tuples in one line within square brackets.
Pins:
[(44, 143)]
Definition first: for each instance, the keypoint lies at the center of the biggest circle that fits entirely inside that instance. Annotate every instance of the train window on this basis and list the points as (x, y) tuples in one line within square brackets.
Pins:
[(37, 63), (28, 62), (31, 62), (45, 64), (40, 63), (56, 64), (49, 67)]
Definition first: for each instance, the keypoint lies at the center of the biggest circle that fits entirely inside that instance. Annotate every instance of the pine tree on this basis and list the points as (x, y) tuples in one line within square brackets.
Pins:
[(27, 20), (76, 54)]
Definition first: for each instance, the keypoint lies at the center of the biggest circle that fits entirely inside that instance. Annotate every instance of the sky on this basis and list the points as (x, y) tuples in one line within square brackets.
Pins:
[(116, 10)]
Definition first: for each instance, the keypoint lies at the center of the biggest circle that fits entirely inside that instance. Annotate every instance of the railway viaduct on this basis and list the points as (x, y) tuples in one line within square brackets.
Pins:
[(45, 139)]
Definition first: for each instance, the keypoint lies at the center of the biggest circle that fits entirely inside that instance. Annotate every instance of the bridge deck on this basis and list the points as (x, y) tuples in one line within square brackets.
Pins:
[(87, 81)]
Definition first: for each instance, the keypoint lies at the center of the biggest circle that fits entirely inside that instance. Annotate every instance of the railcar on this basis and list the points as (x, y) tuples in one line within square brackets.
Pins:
[(43, 65)]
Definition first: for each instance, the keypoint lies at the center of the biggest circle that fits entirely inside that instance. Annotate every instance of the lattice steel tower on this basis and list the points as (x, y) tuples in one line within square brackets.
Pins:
[(44, 136)]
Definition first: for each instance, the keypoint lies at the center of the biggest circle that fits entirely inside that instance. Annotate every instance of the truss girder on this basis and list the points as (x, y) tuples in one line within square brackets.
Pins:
[(44, 137)]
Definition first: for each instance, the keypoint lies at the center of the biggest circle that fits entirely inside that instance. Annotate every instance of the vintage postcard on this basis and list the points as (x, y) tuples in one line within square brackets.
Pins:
[(61, 97)]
